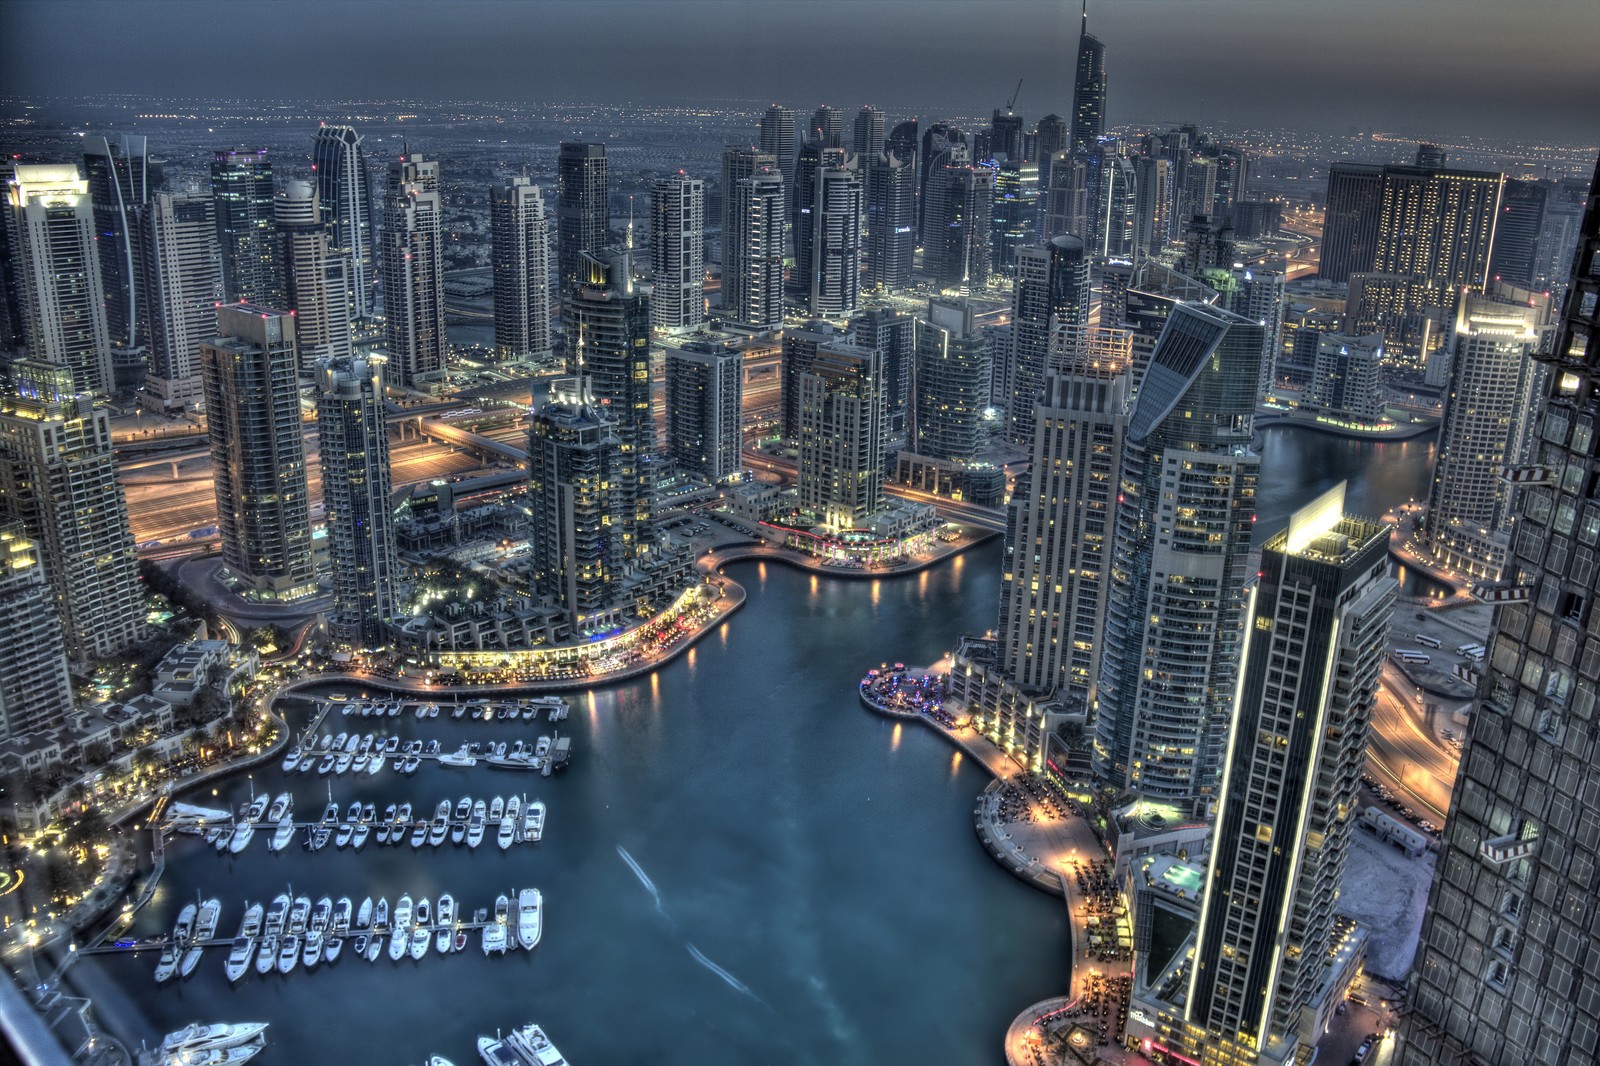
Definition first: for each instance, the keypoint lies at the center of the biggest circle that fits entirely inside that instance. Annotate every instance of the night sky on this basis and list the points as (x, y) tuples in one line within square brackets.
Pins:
[(1527, 69)]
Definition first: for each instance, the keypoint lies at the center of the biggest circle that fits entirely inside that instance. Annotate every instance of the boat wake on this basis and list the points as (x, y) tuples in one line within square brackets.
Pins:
[(644, 880), (732, 981)]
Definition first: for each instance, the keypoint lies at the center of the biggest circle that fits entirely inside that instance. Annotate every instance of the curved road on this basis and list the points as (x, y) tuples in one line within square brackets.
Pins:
[(1420, 768)]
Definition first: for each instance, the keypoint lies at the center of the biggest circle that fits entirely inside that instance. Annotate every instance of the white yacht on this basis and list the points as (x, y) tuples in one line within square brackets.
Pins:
[(244, 943), (277, 914), (475, 826), (530, 917), (494, 937), (441, 824), (533, 821), (197, 1037), (507, 833), (458, 820), (288, 952), (342, 763), (283, 835), (205, 928), (242, 834), (291, 761), (447, 922), (281, 806), (402, 929), (267, 954), (534, 1047), (167, 965), (497, 808), (420, 938)]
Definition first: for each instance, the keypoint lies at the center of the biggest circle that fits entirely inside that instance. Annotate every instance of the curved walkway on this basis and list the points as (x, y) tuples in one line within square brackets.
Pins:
[(734, 553)]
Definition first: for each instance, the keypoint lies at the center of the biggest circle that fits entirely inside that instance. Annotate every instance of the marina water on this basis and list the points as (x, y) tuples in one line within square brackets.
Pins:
[(741, 864)]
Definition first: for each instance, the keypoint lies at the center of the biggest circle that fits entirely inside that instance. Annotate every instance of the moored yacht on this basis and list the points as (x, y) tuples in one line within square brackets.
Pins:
[(475, 826), (530, 917), (291, 761), (535, 1047), (507, 833), (244, 943), (282, 835), (205, 928), (281, 806), (447, 921)]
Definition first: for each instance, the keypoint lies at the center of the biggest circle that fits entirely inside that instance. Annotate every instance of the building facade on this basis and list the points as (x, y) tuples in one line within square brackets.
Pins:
[(180, 275), (316, 282), (519, 251), (752, 251), (247, 227), (121, 176), (677, 253), (1051, 293), (344, 191), (705, 405), (35, 688), (950, 383), (413, 274), (842, 436), (583, 216)]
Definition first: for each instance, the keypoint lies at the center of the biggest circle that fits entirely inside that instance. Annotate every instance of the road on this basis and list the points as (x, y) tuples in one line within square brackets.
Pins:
[(167, 509), (1420, 767)]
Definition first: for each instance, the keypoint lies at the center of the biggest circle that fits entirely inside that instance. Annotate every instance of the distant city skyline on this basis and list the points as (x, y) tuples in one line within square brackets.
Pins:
[(1425, 67)]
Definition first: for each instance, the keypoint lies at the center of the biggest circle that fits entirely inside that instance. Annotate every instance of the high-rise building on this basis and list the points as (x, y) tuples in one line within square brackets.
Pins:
[(1064, 205), (180, 278), (835, 220), (1054, 135), (1346, 380), (752, 250), (1506, 972), (677, 252), (608, 343), (959, 203), (519, 237), (894, 335), (738, 162), (842, 436), (1259, 296), (1232, 176), (1185, 507), (1005, 136), (583, 213), (1487, 428), (56, 257), (353, 431), (121, 176), (891, 219), (950, 383), (573, 455), (800, 345), (1415, 220), (1514, 255), (247, 227), (35, 688), (778, 138), (1113, 197), (827, 126), (868, 140), (1088, 89), (705, 406), (1318, 625), (942, 146), (814, 158), (413, 273), (1155, 196), (1014, 224), (344, 192), (1208, 244), (258, 454), (316, 282), (13, 318), (58, 474), (1350, 226), (1051, 293), (1058, 530)]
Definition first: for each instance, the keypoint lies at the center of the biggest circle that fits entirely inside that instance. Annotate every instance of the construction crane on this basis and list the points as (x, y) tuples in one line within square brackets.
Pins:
[(1011, 103)]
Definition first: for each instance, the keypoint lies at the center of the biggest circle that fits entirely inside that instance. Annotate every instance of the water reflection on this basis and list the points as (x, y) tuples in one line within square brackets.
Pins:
[(894, 738)]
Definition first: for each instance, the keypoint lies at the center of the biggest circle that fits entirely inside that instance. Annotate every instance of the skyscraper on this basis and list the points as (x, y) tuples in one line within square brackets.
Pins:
[(1259, 295), (677, 252), (1055, 135), (1005, 135), (827, 126), (345, 193), (959, 202), (519, 237), (868, 140), (1232, 177), (1014, 222), (608, 343), (1314, 647), (413, 273), (258, 454), (813, 159), (1185, 506), (573, 455), (247, 227), (752, 251), (1088, 89), (800, 346), (950, 386), (353, 430), (56, 254), (891, 219), (894, 335), (1515, 254), (942, 146), (1155, 196), (1059, 526), (778, 138), (1051, 293), (35, 688), (583, 214), (121, 176), (1413, 220), (1487, 428), (704, 410), (1064, 205), (316, 281), (835, 220), (58, 474), (1350, 224), (1506, 973), (739, 161), (841, 436), (180, 277)]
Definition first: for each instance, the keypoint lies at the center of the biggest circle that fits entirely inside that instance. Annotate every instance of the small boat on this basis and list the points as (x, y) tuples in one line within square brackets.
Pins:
[(326, 743), (267, 955), (313, 950), (281, 806), (359, 838), (419, 834), (475, 826), (309, 763), (291, 761), (330, 814), (404, 913), (433, 710), (431, 748), (363, 919), (327, 764), (242, 834), (459, 710), (277, 914), (534, 1047), (339, 924), (352, 743), (530, 918), (358, 945), (497, 809), (344, 834), (423, 915), (386, 824), (440, 825), (317, 838), (420, 709), (394, 709), (257, 809), (380, 914), (205, 928), (298, 913), (374, 947), (374, 764), (282, 835), (494, 938), (409, 766), (369, 813), (361, 762), (399, 943), (343, 762), (461, 940), (447, 922), (331, 949), (391, 745), (542, 749), (533, 821), (507, 833), (244, 943), (420, 938), (167, 965), (288, 952)]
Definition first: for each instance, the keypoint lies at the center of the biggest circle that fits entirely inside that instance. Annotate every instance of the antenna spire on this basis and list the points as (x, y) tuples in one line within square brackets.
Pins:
[(630, 223)]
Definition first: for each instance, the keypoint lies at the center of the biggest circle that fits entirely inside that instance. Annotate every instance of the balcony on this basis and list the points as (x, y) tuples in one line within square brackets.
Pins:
[(1505, 849)]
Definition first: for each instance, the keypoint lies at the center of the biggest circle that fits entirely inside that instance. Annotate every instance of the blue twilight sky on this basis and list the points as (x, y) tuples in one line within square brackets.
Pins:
[(1523, 68)]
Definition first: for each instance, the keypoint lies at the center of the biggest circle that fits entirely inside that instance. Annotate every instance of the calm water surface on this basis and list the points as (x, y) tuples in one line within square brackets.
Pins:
[(822, 856)]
